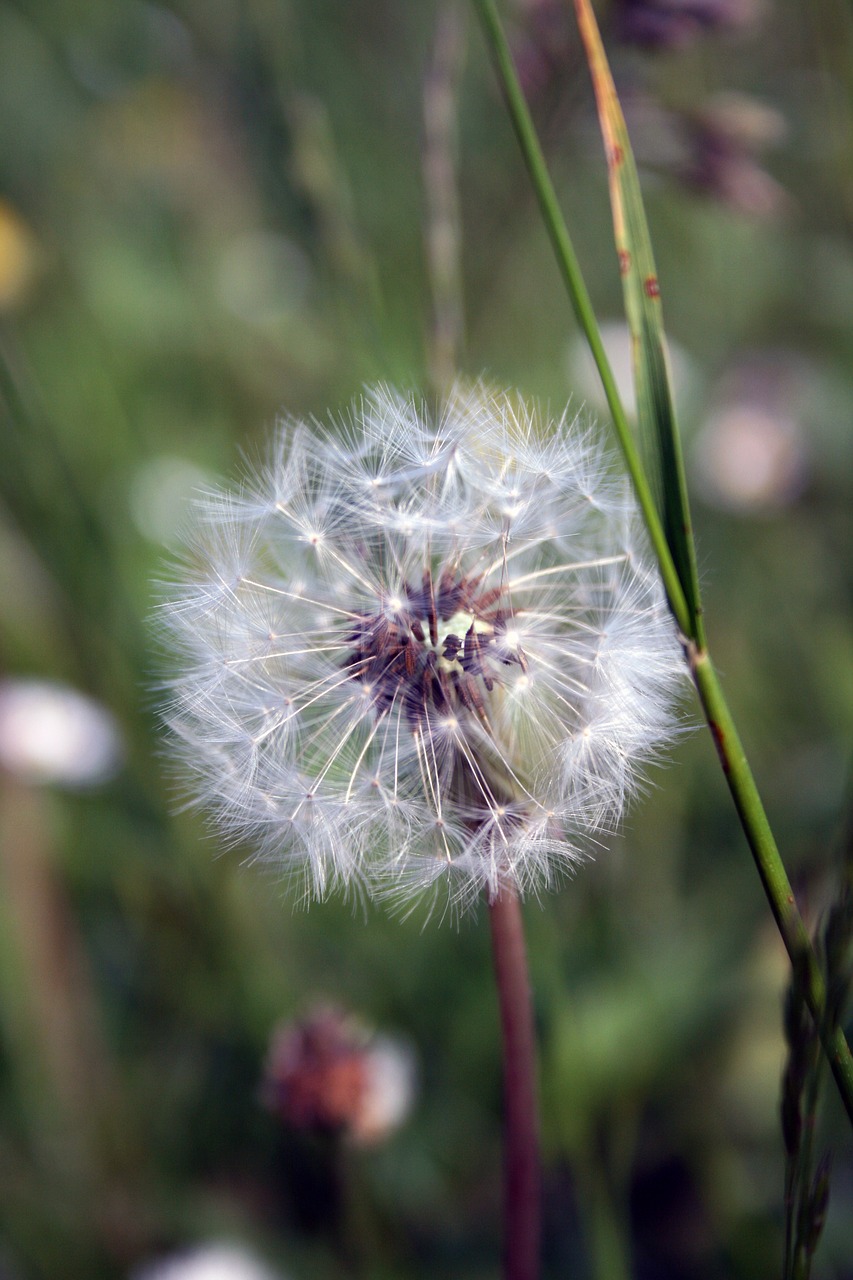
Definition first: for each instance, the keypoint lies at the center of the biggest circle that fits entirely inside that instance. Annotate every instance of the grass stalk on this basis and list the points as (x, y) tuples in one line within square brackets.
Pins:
[(735, 766), (580, 299), (770, 867)]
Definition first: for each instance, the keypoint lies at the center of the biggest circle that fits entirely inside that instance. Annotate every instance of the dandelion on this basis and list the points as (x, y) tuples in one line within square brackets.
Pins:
[(422, 655), (427, 656)]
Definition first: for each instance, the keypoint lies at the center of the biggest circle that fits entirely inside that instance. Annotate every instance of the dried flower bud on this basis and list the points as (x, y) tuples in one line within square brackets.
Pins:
[(328, 1074)]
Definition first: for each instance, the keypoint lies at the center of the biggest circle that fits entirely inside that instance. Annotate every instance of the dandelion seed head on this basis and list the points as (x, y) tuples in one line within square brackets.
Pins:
[(421, 656)]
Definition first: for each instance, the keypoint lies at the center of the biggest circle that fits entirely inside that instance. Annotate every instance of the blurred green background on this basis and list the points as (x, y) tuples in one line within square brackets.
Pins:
[(215, 210)]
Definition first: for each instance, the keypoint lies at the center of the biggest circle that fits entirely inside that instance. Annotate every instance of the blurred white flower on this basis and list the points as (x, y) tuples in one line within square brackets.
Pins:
[(417, 655), (389, 1090), (208, 1262), (50, 733), (749, 458), (618, 346), (751, 454)]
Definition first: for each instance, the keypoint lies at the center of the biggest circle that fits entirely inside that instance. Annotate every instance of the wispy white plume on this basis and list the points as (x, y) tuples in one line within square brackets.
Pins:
[(421, 655)]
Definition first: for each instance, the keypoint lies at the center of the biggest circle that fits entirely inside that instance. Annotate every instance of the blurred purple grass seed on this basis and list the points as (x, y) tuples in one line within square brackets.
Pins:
[(543, 43), (672, 24), (723, 142)]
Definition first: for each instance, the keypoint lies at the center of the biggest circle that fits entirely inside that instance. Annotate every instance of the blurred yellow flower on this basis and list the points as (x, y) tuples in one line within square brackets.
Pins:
[(18, 257)]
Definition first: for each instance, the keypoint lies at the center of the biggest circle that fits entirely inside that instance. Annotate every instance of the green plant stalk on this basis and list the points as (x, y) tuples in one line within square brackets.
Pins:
[(771, 869), (801, 1267), (790, 1210), (577, 290), (732, 758)]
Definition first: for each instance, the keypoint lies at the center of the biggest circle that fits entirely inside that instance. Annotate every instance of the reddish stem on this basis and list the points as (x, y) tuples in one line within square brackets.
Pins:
[(522, 1178)]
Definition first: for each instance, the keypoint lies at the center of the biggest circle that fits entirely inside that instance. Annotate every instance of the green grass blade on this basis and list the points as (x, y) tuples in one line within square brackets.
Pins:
[(655, 405), (733, 760), (579, 295)]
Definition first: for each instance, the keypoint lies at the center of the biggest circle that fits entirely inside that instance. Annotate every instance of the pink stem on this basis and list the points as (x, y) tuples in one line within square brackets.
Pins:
[(522, 1177)]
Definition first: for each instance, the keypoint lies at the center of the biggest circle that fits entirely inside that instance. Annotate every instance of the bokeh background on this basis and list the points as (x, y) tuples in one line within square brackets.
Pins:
[(213, 210)]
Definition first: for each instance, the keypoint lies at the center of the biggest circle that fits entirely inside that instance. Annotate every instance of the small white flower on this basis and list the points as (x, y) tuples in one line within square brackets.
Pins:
[(208, 1262), (418, 654), (52, 734)]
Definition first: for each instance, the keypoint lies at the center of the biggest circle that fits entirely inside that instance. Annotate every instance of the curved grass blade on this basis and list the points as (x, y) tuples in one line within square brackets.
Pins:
[(655, 406), (579, 296)]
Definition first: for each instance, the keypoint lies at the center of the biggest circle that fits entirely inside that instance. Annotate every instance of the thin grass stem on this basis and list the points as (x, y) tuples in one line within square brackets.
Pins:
[(580, 299), (771, 869), (735, 766)]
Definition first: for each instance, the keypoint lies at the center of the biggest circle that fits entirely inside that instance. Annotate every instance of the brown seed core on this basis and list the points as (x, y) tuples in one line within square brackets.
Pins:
[(411, 661)]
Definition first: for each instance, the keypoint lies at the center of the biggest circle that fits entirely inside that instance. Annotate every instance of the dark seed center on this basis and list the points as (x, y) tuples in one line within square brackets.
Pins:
[(436, 652)]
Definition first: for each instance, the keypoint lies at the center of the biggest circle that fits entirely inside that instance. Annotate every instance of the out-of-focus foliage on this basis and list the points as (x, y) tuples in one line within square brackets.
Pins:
[(210, 211)]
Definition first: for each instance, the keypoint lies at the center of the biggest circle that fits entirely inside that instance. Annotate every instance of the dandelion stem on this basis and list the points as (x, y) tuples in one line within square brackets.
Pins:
[(522, 1178)]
